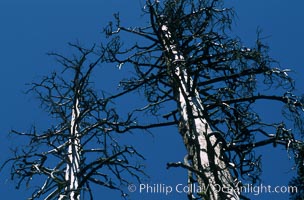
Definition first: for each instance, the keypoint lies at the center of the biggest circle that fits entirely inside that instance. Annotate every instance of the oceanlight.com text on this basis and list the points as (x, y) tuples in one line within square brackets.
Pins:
[(260, 189), (166, 189)]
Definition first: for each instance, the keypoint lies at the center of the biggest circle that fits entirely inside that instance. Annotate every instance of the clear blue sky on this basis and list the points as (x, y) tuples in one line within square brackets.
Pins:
[(30, 29)]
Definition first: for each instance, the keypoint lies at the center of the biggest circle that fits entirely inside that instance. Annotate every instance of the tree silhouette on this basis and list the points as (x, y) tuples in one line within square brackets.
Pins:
[(81, 149), (194, 74)]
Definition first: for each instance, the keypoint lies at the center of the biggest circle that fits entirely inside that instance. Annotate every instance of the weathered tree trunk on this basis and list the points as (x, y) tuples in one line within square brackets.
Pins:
[(73, 163), (205, 155)]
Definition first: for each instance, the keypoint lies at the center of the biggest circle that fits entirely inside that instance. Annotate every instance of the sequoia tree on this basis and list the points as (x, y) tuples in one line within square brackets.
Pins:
[(196, 75), (81, 149)]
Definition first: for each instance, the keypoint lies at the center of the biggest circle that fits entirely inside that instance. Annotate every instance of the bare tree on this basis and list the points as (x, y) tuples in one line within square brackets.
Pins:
[(195, 75), (81, 149)]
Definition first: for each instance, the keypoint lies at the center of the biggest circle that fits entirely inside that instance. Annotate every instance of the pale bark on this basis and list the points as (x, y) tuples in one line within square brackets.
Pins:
[(204, 147), (72, 168)]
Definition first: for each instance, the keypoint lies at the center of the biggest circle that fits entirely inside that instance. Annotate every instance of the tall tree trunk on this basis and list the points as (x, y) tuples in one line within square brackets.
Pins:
[(205, 155), (72, 169)]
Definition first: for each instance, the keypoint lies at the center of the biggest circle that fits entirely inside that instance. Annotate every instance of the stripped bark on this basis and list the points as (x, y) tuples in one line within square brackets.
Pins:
[(74, 149), (81, 149), (203, 146)]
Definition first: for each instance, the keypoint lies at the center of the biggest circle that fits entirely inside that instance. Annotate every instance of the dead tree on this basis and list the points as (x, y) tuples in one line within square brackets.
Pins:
[(81, 149), (195, 75)]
